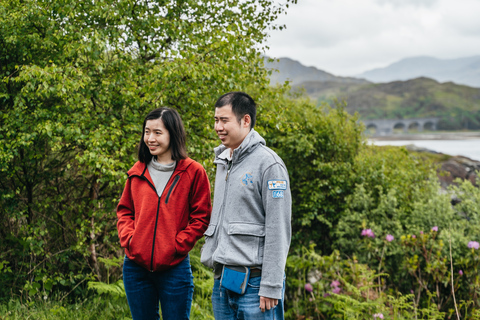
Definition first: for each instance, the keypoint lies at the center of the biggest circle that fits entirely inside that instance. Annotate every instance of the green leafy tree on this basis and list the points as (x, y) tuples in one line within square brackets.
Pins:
[(76, 80)]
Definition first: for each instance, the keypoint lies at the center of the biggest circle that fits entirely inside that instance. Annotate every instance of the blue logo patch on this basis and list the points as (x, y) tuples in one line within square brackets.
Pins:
[(277, 194), (248, 178)]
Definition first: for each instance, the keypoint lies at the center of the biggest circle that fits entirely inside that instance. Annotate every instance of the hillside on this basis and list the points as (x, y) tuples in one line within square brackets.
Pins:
[(458, 106), (296, 73), (461, 71)]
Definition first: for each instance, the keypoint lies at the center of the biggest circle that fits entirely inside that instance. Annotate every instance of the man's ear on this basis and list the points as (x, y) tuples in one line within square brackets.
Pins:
[(247, 121)]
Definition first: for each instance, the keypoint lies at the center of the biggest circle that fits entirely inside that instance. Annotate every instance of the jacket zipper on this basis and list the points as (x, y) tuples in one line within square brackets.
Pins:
[(229, 167), (220, 223), (177, 177), (155, 234), (158, 211)]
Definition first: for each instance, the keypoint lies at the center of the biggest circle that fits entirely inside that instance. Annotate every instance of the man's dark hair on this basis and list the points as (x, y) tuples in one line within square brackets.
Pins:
[(173, 123), (241, 103)]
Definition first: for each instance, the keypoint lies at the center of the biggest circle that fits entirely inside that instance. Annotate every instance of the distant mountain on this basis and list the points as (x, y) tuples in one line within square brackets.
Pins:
[(297, 73), (462, 71), (458, 106)]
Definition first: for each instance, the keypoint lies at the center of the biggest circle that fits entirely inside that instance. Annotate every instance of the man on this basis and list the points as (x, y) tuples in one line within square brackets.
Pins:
[(251, 219)]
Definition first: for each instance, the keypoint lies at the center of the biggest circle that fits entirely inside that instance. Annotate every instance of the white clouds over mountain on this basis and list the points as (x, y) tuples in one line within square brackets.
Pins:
[(347, 37)]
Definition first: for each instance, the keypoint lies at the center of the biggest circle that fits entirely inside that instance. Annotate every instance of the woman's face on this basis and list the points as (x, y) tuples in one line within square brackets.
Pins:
[(157, 139)]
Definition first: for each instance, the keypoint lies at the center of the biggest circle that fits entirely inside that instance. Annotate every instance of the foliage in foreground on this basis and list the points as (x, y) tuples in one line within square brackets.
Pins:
[(95, 307), (331, 287)]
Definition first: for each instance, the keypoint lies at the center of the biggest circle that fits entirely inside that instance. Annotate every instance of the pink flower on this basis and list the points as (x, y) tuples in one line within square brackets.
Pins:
[(368, 233), (378, 315), (308, 287), (335, 284), (473, 245), (336, 290), (326, 295), (435, 229), (414, 236), (421, 232), (460, 272), (389, 238)]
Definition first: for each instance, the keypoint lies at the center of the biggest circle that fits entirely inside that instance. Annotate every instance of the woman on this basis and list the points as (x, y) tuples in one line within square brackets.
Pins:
[(164, 209)]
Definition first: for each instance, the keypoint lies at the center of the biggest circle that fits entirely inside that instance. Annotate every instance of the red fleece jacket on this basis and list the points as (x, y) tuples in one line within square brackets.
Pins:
[(163, 229)]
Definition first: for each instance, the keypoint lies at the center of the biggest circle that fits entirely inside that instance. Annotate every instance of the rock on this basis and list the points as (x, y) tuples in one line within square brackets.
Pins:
[(453, 168), (459, 167)]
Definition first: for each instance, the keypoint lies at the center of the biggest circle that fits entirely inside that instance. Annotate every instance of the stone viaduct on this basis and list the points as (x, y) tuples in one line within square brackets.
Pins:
[(386, 127)]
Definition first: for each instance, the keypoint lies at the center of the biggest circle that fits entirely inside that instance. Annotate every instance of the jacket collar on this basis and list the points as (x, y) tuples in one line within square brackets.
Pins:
[(250, 143), (140, 168)]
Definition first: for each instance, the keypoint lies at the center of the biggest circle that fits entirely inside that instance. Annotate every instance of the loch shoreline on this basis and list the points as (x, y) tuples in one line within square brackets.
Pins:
[(450, 135)]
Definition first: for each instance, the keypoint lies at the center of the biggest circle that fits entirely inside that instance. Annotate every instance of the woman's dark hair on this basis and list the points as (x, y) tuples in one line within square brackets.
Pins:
[(173, 123)]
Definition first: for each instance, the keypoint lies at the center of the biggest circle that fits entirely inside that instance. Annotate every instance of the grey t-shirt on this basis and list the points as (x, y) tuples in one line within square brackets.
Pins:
[(160, 174)]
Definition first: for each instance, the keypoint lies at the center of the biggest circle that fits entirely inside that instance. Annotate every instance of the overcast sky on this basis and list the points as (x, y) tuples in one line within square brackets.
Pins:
[(348, 37)]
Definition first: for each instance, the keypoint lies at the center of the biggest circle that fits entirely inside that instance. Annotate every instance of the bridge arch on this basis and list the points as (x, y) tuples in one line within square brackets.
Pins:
[(386, 127), (430, 126), (414, 126), (399, 127), (371, 129)]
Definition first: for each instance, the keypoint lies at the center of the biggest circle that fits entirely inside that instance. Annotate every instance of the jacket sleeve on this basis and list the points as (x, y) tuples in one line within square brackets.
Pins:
[(277, 204), (200, 207), (126, 216)]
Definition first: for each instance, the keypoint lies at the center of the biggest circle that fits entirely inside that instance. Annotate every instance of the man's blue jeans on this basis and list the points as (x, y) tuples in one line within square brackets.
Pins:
[(173, 288), (228, 305)]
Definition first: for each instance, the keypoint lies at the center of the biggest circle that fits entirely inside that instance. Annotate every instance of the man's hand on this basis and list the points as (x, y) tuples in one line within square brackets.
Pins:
[(267, 303)]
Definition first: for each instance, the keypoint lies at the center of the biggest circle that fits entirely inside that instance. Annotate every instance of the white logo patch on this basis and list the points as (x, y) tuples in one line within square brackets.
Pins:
[(277, 185)]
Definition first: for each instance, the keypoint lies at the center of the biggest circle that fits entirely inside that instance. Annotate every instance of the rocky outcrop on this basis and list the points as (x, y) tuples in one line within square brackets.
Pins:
[(454, 167), (459, 167)]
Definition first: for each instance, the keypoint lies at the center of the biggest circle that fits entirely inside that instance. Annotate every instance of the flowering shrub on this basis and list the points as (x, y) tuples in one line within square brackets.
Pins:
[(328, 287), (473, 245), (368, 233), (337, 287)]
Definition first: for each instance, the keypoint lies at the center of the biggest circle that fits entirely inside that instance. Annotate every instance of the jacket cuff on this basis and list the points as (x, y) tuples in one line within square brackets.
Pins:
[(270, 291)]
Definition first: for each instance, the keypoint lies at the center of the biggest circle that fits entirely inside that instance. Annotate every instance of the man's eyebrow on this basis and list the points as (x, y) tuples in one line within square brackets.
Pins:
[(222, 118)]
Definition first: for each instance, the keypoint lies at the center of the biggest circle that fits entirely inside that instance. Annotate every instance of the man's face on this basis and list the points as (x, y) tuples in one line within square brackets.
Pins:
[(230, 132)]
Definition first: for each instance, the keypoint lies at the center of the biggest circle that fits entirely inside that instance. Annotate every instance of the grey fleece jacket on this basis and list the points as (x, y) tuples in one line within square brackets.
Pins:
[(251, 219)]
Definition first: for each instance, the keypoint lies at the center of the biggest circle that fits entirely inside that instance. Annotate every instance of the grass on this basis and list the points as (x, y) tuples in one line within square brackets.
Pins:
[(98, 307)]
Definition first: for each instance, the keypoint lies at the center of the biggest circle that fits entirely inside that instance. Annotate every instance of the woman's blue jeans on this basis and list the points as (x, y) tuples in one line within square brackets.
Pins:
[(172, 288), (228, 305)]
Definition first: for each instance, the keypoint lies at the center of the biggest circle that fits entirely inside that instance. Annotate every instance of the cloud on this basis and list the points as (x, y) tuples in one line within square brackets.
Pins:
[(347, 37), (415, 3)]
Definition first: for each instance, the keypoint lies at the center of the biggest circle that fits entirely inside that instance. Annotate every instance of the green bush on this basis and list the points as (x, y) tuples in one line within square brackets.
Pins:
[(319, 147)]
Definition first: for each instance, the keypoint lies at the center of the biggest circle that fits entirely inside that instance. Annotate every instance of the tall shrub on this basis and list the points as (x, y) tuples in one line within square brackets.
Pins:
[(318, 146)]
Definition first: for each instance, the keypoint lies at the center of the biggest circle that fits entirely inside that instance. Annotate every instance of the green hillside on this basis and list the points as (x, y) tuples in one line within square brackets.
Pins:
[(458, 106)]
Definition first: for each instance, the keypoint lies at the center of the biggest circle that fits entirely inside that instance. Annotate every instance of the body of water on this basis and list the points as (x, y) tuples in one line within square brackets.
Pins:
[(469, 148)]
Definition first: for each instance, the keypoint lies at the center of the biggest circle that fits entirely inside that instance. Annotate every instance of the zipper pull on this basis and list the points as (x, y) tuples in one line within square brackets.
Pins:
[(228, 169)]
